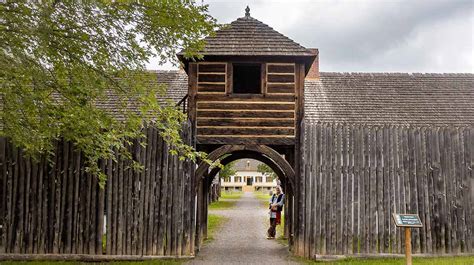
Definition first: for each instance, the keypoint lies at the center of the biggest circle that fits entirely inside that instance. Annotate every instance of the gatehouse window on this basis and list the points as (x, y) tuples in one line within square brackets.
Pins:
[(246, 78)]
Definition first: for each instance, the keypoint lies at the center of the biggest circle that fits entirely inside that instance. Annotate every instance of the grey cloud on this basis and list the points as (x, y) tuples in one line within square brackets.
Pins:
[(371, 36)]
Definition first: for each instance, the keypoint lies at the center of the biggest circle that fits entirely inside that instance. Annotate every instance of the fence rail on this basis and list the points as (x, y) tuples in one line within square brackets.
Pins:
[(356, 176)]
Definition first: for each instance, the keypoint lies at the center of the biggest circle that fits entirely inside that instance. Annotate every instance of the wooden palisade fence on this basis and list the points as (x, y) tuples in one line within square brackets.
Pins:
[(356, 176), (59, 208)]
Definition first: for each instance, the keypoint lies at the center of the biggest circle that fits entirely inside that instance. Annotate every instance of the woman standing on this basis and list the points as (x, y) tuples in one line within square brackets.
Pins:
[(276, 206)]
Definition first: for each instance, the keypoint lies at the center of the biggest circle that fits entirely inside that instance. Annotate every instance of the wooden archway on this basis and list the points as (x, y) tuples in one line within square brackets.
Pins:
[(261, 153)]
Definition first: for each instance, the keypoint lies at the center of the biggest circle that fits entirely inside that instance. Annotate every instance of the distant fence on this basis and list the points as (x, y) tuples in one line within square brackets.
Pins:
[(59, 208), (356, 176)]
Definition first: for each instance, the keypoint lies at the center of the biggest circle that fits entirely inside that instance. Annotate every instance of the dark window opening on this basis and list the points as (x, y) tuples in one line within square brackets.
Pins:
[(246, 79)]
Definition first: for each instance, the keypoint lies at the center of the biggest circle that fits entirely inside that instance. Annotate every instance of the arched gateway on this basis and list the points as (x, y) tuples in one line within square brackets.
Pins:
[(246, 101)]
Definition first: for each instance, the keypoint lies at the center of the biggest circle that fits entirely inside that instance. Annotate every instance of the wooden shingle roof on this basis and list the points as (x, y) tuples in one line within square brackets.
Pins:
[(248, 36), (395, 98)]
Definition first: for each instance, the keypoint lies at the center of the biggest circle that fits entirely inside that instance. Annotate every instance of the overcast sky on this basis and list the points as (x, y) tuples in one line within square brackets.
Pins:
[(369, 36)]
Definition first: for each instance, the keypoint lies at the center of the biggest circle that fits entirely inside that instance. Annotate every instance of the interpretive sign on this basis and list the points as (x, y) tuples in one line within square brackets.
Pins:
[(407, 220)]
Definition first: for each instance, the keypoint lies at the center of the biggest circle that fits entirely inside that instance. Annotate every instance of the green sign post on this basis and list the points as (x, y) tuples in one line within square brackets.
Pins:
[(408, 221)]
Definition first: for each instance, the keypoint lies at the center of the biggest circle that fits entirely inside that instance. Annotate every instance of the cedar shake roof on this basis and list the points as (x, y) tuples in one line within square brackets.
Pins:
[(242, 165), (395, 98), (374, 98), (247, 36), (176, 83)]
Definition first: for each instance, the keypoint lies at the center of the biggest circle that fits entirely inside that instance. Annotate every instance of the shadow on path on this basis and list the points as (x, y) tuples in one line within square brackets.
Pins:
[(242, 239)]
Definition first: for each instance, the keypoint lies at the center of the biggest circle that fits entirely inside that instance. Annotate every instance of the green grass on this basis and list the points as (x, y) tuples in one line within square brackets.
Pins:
[(214, 222), (226, 201), (232, 195), (146, 262), (398, 261)]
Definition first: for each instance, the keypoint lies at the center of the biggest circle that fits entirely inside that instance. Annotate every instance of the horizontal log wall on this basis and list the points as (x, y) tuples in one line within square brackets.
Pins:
[(59, 208), (223, 117), (356, 176)]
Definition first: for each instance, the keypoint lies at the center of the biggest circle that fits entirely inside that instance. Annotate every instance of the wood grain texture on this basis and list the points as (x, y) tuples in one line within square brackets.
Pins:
[(367, 173)]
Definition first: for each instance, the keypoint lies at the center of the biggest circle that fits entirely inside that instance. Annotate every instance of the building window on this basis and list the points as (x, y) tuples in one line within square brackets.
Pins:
[(246, 79), (237, 179), (258, 179)]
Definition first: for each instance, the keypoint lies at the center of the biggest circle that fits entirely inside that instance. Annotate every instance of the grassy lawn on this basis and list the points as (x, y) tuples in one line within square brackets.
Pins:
[(214, 222), (226, 201), (416, 261), (147, 262)]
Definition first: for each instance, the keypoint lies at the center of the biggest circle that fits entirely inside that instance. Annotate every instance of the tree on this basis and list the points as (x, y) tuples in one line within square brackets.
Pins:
[(60, 60), (266, 170), (227, 170)]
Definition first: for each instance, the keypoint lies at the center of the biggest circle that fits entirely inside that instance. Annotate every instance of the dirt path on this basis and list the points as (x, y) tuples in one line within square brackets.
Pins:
[(242, 240)]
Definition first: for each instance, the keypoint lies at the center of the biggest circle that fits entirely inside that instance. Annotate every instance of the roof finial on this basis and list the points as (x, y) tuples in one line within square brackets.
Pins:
[(247, 12)]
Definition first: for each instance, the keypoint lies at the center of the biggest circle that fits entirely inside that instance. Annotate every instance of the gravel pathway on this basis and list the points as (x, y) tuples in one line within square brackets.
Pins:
[(242, 239)]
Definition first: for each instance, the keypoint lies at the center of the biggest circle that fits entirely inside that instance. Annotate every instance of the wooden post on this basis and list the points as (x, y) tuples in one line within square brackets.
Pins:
[(408, 245)]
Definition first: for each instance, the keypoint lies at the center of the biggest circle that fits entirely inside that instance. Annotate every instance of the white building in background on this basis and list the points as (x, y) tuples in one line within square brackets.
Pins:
[(247, 178)]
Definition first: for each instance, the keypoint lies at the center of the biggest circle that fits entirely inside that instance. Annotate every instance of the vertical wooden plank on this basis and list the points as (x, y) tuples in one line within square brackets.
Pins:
[(114, 208), (93, 215), (386, 189), (158, 180), (173, 214), (3, 194), (41, 204), (30, 209), (109, 206), (393, 188), (130, 182), (437, 176), (57, 198), (69, 174), (397, 183), (419, 177), (406, 173), (308, 175), (169, 208), (100, 212), (425, 190), (151, 206), (317, 152), (449, 192), (380, 247), (458, 189), (76, 195), (126, 202), (364, 192), (468, 184), (356, 176), (373, 189), (429, 192), (324, 185), (332, 190), (146, 190), (163, 201), (339, 190), (349, 194), (442, 190)]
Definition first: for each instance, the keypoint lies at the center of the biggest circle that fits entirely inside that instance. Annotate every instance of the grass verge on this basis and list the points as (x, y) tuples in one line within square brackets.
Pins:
[(398, 261), (226, 201), (214, 222)]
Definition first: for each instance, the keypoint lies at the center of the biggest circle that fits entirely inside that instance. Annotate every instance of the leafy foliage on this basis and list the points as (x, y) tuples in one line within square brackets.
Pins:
[(265, 169), (227, 170), (61, 61)]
